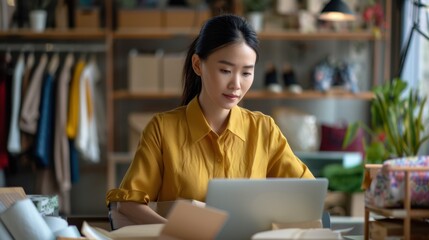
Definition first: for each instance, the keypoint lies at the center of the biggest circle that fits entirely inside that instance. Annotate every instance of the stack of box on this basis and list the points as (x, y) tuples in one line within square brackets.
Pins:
[(157, 18), (155, 73)]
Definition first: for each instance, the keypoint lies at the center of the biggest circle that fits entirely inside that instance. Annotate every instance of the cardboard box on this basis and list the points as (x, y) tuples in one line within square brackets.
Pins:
[(146, 18), (185, 17), (393, 228), (87, 18), (144, 73), (172, 70), (137, 122)]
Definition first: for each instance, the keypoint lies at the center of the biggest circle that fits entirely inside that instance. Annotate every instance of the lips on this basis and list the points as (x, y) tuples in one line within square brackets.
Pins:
[(232, 96)]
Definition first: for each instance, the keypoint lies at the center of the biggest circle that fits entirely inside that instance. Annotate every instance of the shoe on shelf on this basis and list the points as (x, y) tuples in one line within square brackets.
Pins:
[(289, 79), (271, 83)]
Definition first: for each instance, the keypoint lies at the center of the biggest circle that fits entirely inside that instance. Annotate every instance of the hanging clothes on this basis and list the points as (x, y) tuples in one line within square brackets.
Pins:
[(72, 118), (99, 106), (43, 145), (14, 139), (5, 77), (73, 109), (87, 136), (30, 108), (26, 139), (61, 144)]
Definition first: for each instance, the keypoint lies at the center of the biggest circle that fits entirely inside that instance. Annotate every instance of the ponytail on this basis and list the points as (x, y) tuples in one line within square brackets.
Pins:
[(191, 81)]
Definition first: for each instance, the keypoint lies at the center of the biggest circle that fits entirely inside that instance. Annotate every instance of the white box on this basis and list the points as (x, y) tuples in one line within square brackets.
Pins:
[(144, 73), (172, 71)]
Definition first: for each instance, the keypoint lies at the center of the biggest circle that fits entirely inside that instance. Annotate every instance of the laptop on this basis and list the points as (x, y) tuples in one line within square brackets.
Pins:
[(254, 205)]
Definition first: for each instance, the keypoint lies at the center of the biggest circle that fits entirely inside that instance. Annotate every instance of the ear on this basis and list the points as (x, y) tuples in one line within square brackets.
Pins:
[(196, 64)]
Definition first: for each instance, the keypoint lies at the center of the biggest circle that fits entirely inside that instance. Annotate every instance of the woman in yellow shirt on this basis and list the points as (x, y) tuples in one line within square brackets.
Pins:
[(209, 136)]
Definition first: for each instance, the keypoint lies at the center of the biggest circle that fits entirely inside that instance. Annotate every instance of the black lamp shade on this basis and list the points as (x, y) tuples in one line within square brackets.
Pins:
[(336, 10)]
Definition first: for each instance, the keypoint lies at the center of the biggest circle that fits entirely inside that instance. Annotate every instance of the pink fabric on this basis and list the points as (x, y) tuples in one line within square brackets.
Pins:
[(387, 189)]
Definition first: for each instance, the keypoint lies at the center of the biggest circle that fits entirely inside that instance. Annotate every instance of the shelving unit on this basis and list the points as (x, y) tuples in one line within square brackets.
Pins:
[(407, 212), (119, 94), (115, 84)]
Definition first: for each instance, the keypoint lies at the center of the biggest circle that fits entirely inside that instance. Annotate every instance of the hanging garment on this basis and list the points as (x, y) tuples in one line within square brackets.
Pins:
[(61, 144), (30, 106), (87, 137), (44, 136), (14, 140), (5, 77), (73, 109), (26, 139), (99, 105)]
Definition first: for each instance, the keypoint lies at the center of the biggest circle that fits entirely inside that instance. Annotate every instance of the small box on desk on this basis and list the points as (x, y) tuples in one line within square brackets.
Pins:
[(185, 17), (141, 18), (87, 18), (144, 73)]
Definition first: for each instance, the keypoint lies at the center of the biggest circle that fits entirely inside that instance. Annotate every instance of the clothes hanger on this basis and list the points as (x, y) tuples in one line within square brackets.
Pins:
[(53, 64)]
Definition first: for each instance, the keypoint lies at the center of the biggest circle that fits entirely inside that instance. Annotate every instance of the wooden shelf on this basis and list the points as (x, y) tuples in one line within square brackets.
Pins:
[(165, 33), (56, 34), (317, 36), (255, 94), (399, 213)]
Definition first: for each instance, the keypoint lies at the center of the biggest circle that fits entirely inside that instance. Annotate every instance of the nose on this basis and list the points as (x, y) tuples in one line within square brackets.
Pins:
[(234, 82)]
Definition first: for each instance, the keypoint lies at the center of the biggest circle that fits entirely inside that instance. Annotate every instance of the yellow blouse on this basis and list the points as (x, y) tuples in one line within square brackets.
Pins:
[(178, 154)]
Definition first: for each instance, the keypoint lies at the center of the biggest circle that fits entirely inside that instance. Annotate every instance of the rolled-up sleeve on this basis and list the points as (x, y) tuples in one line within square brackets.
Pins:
[(143, 178)]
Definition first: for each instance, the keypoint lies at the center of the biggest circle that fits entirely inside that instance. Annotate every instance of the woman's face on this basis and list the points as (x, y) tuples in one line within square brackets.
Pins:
[(227, 74)]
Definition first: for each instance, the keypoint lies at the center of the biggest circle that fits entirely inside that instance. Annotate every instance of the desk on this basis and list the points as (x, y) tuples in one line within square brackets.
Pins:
[(357, 223)]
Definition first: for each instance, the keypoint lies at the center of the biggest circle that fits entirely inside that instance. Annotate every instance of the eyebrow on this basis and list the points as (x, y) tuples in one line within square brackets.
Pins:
[(232, 64)]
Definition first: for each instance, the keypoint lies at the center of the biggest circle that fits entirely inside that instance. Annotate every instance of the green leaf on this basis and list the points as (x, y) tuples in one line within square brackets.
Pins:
[(350, 134)]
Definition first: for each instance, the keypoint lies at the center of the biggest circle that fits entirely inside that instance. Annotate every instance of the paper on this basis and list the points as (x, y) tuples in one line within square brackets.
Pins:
[(68, 232), (185, 221), (24, 221), (4, 234), (55, 223), (297, 233)]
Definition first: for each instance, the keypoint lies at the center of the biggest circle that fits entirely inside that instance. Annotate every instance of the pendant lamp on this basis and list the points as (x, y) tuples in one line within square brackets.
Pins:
[(336, 10)]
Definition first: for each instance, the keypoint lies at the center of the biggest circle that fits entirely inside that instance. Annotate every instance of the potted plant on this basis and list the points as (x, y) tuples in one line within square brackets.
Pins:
[(397, 125), (255, 12), (38, 14)]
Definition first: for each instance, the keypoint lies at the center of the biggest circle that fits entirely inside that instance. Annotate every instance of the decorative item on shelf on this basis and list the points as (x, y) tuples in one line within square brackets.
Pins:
[(336, 10), (38, 14), (270, 81), (331, 74), (300, 128), (373, 17), (323, 75), (289, 79), (255, 12)]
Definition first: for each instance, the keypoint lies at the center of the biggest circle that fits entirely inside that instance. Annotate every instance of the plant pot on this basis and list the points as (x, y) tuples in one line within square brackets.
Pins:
[(38, 20), (256, 19)]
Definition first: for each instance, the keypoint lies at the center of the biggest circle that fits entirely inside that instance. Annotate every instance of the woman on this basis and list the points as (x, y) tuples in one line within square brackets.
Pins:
[(209, 136)]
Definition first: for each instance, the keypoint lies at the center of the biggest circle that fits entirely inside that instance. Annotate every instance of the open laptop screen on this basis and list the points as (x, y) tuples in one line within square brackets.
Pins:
[(255, 204)]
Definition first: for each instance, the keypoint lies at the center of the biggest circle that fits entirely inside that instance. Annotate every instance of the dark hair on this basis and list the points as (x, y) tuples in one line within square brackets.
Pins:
[(217, 32)]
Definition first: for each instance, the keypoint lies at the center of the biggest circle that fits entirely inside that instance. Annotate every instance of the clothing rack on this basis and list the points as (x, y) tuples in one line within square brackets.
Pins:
[(54, 47)]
